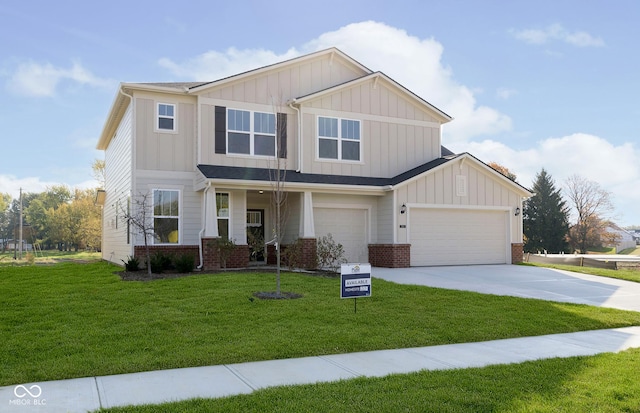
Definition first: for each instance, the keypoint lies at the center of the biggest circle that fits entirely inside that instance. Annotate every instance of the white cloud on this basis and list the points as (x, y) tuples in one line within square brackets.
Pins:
[(505, 93), (213, 65), (42, 80), (10, 184), (614, 168), (557, 32), (413, 62)]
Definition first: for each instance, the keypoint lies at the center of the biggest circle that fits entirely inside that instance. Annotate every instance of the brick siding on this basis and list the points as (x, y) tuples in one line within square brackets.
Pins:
[(517, 253), (390, 255)]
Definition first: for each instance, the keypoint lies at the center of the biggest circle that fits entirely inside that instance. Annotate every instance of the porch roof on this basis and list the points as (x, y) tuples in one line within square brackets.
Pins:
[(265, 175)]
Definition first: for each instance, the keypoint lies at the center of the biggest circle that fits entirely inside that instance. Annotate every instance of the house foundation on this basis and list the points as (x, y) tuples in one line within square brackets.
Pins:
[(390, 255)]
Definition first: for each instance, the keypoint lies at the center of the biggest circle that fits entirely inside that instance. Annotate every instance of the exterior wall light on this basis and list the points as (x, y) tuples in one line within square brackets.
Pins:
[(517, 211), (403, 209)]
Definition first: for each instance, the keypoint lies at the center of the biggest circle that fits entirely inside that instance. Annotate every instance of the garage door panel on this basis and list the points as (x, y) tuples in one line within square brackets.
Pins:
[(457, 237), (348, 227)]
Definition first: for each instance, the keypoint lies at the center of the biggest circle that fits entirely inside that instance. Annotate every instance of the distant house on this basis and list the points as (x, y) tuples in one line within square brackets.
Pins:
[(12, 244), (364, 162), (624, 238)]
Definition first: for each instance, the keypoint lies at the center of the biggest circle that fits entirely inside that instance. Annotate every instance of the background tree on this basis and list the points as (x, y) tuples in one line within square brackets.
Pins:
[(503, 170), (591, 204), (5, 230), (545, 217), (98, 168)]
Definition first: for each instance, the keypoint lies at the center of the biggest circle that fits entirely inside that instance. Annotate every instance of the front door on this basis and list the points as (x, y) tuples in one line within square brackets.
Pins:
[(255, 234)]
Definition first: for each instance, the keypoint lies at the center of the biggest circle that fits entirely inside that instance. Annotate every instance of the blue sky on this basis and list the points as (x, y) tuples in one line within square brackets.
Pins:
[(530, 84)]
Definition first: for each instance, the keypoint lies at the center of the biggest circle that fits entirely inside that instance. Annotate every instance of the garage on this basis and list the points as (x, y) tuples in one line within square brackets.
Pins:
[(348, 226), (458, 236)]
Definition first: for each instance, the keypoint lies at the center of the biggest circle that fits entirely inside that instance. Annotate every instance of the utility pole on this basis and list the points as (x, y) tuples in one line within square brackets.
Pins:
[(20, 223)]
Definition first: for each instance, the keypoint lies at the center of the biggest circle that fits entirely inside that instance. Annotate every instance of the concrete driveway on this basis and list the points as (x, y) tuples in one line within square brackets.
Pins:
[(522, 281)]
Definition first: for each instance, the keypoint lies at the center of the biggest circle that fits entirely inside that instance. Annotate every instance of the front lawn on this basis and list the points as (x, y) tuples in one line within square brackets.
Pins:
[(602, 383), (627, 274), (75, 320)]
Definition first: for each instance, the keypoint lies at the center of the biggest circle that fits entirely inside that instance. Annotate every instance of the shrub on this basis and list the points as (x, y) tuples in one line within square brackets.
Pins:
[(292, 254), (131, 264), (330, 253), (31, 259), (184, 263), (225, 248), (160, 262)]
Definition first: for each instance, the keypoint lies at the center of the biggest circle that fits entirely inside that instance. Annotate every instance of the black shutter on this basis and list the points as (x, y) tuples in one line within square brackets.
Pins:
[(220, 129), (281, 135)]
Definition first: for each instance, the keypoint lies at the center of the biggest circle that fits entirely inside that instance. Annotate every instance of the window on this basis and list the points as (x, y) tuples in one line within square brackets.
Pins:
[(166, 215), (222, 210), (338, 139), (251, 133), (166, 117)]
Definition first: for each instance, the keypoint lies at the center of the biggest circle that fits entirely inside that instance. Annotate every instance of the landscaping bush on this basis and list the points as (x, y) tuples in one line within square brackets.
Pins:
[(330, 253), (131, 264), (184, 263), (160, 262)]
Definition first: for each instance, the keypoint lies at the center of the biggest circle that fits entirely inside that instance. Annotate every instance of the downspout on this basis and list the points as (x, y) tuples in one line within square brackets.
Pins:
[(291, 103), (204, 224)]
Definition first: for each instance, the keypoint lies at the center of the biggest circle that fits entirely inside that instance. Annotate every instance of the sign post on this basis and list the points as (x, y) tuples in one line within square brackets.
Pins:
[(355, 281)]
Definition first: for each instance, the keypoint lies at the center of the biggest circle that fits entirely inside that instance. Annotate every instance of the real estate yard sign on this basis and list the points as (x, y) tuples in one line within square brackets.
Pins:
[(355, 280)]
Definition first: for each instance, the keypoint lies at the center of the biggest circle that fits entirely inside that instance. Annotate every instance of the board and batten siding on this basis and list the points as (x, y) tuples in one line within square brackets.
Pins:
[(118, 186), (385, 222), (292, 81), (207, 136), (166, 150), (438, 189), (191, 202)]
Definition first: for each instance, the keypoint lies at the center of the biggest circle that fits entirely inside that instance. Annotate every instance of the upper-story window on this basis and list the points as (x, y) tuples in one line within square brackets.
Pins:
[(166, 216), (166, 117), (338, 139), (251, 133)]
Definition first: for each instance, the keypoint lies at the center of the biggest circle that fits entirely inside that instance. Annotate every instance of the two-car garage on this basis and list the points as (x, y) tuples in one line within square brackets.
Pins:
[(458, 236), (438, 236)]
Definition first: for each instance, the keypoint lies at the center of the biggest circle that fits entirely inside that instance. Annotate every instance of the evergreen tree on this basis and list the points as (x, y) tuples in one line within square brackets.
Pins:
[(545, 217)]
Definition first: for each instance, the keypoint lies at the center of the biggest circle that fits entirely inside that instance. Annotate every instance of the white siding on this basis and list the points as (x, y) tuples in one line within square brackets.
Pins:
[(118, 167), (438, 188), (191, 201)]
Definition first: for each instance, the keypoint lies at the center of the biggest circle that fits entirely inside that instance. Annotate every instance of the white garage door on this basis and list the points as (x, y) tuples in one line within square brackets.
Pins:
[(347, 227), (457, 237)]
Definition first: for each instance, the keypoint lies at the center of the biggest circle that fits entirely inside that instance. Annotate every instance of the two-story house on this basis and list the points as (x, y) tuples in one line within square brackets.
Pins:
[(363, 161)]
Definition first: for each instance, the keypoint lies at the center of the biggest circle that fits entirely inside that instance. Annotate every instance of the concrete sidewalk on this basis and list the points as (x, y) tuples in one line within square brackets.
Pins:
[(91, 393)]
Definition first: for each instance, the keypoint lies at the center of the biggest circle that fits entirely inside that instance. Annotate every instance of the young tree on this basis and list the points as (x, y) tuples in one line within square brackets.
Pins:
[(277, 175), (545, 217), (139, 216), (591, 204)]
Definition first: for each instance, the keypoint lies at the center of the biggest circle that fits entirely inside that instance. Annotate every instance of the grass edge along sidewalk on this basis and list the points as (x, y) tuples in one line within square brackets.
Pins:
[(72, 320), (604, 383)]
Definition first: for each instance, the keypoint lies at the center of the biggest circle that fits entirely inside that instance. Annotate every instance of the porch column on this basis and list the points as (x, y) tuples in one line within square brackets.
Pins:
[(210, 214), (307, 229)]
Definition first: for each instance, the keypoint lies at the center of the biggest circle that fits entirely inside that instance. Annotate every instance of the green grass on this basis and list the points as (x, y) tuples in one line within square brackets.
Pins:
[(622, 274), (76, 320), (603, 383), (48, 257), (630, 251)]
